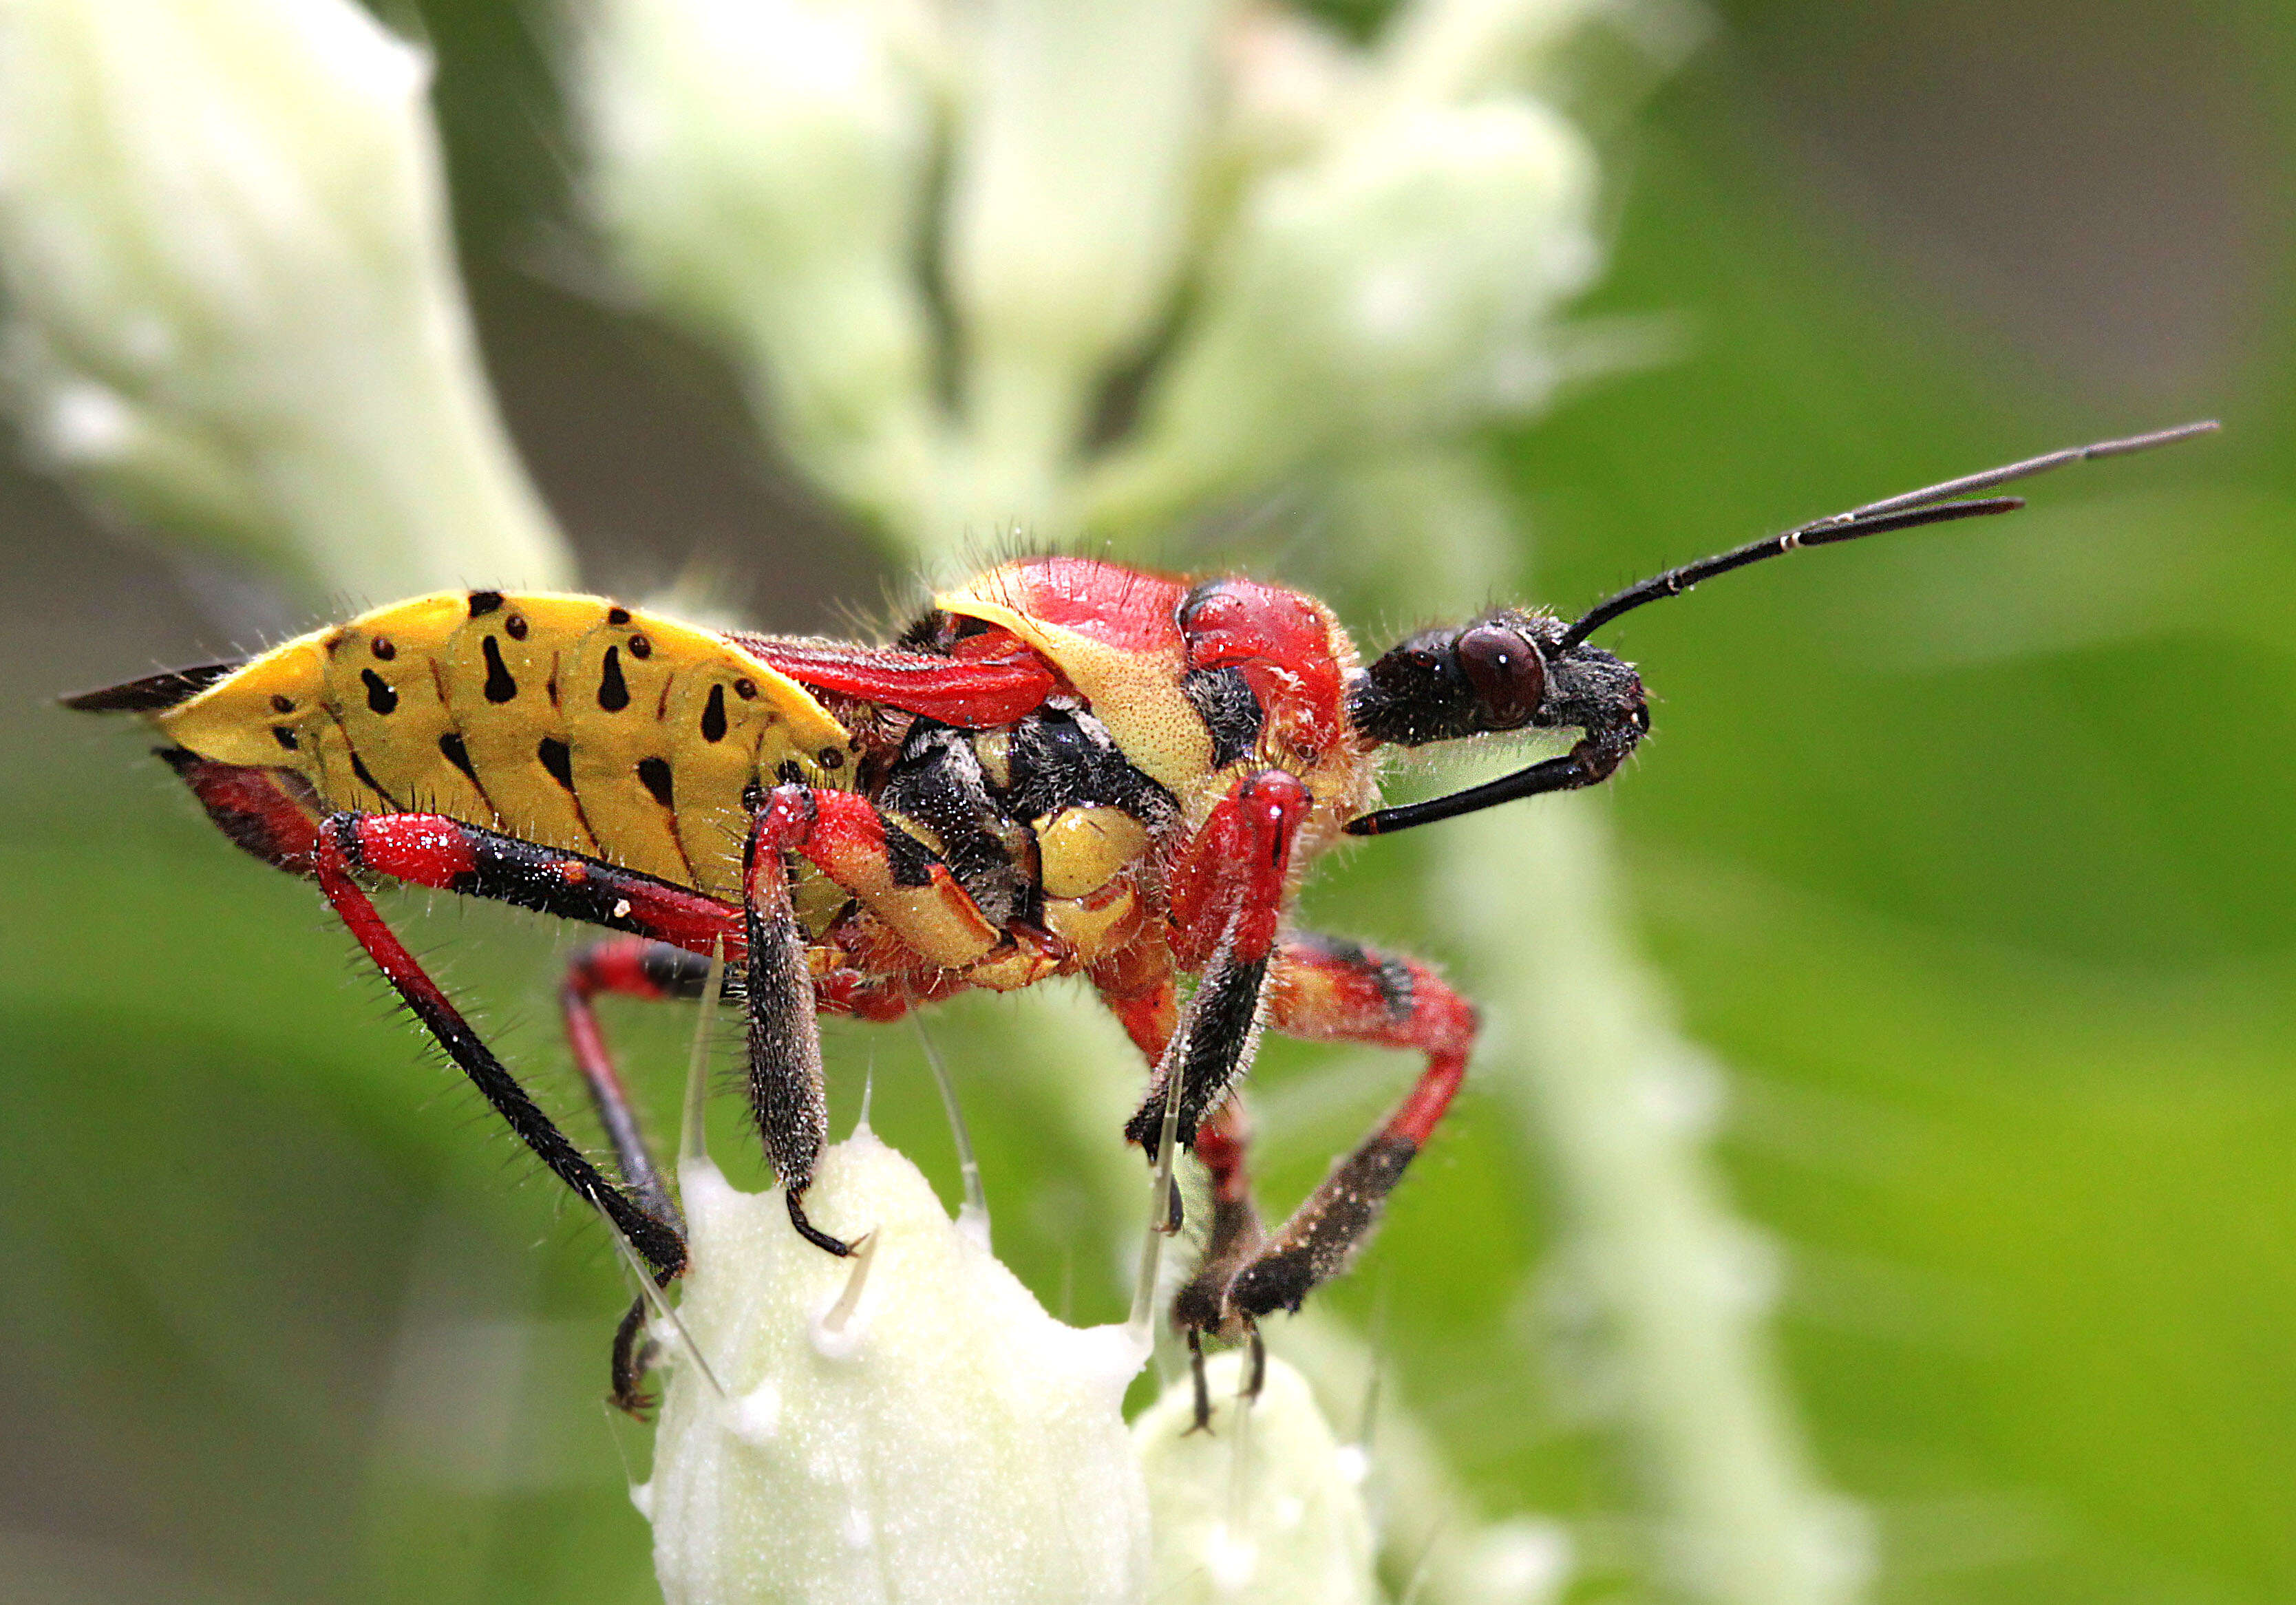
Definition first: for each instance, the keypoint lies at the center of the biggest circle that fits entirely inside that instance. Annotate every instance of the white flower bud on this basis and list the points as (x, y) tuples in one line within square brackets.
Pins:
[(1264, 1507), (1396, 288), (1291, 83), (759, 166), (1069, 214), (236, 310), (938, 1436)]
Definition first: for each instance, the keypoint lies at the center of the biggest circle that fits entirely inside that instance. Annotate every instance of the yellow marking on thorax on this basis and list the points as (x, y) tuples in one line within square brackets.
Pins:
[(1135, 693), (1083, 849)]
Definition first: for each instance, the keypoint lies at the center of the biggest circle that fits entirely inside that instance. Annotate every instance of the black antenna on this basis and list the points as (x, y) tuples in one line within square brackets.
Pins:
[(1936, 504), (1933, 505)]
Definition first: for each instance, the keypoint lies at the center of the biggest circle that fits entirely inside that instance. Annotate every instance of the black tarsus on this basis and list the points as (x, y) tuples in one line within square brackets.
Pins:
[(1203, 1390), (633, 1358), (812, 1233), (1255, 1376)]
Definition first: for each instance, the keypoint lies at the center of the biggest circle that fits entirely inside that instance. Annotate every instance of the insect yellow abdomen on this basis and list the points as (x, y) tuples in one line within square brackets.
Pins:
[(567, 721)]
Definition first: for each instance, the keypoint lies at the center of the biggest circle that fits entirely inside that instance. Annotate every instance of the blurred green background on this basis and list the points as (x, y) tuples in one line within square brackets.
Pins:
[(1970, 853)]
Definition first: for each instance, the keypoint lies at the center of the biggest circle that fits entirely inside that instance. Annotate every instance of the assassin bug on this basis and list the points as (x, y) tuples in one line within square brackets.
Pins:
[(1064, 768)]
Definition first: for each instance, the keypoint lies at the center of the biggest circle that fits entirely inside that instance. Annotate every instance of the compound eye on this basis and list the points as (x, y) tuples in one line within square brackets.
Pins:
[(1507, 671)]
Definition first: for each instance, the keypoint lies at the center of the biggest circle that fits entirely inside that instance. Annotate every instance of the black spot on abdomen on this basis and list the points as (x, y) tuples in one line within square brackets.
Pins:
[(558, 758), (483, 602), (500, 686), (654, 773), (613, 691), (713, 716), (366, 779), (451, 748), (380, 698)]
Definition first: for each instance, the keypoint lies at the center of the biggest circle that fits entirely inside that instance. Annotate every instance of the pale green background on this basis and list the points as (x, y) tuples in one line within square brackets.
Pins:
[(1970, 852)]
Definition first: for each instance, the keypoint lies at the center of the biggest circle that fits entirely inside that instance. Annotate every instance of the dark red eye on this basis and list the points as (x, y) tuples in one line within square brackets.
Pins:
[(1505, 670)]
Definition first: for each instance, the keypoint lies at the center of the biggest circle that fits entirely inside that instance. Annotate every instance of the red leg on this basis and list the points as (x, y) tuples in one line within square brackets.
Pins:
[(881, 997), (903, 882), (626, 967), (1331, 990), (1236, 868), (429, 849), (1227, 895), (265, 812), (336, 855)]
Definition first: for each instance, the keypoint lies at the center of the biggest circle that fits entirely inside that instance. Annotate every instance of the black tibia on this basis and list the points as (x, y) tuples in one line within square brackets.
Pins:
[(633, 967), (786, 1093), (508, 870), (661, 1244), (634, 1356), (1213, 1047), (1315, 1244)]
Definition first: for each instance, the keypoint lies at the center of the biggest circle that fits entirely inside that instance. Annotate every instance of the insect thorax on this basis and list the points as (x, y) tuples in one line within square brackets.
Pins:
[(1044, 808)]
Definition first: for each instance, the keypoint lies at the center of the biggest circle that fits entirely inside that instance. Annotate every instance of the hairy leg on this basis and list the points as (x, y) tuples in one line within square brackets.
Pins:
[(1226, 898), (337, 857), (1327, 989)]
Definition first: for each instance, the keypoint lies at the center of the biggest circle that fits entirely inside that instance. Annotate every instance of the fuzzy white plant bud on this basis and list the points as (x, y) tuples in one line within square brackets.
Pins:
[(1396, 288), (232, 296), (907, 1425), (1069, 216), (759, 168), (1264, 1507)]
